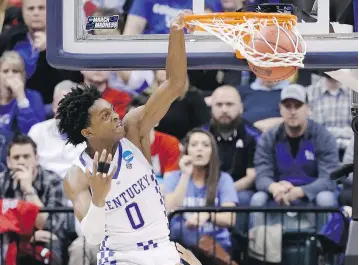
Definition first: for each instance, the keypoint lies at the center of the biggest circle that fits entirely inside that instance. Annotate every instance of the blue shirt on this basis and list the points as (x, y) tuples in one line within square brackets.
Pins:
[(196, 196), (160, 13)]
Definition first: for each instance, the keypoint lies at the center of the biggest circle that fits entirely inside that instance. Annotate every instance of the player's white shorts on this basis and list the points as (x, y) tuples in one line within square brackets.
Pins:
[(164, 254)]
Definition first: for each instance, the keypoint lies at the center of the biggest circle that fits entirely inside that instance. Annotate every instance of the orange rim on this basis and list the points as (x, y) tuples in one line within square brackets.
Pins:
[(287, 20), (240, 17)]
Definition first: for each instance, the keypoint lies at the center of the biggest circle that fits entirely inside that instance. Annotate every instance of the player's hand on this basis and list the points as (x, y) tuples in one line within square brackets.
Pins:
[(179, 22), (187, 255), (186, 165), (197, 219), (100, 183), (40, 41)]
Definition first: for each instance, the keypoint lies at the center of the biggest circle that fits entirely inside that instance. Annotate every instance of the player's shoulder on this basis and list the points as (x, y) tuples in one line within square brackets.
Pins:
[(75, 180), (132, 118)]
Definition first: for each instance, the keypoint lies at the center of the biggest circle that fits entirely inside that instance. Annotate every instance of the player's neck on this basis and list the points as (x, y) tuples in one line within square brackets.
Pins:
[(94, 147)]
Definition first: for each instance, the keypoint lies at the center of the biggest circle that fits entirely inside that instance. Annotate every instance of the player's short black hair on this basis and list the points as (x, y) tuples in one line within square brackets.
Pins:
[(73, 112)]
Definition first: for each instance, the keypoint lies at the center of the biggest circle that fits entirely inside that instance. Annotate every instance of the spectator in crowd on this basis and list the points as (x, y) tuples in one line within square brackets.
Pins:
[(25, 179), (53, 152), (232, 5), (119, 99), (20, 108), (200, 183), (346, 195), (236, 140), (165, 154), (189, 111), (261, 102), (293, 160), (92, 6), (30, 41), (154, 17), (329, 102)]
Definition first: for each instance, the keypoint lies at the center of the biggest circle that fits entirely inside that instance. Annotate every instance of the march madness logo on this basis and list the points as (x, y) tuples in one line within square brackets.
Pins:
[(105, 22)]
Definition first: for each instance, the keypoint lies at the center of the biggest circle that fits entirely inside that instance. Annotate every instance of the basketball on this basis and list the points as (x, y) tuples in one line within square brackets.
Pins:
[(286, 43)]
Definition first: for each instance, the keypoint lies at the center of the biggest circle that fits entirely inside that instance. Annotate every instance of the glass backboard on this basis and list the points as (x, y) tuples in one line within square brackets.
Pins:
[(72, 46)]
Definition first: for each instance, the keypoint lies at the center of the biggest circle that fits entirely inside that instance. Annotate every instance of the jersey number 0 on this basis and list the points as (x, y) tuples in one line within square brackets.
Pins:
[(132, 210)]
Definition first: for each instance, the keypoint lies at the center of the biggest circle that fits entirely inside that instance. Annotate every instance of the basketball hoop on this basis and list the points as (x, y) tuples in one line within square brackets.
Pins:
[(244, 30)]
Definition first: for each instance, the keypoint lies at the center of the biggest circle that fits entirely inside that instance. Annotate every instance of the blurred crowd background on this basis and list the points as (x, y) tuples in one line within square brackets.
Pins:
[(265, 144)]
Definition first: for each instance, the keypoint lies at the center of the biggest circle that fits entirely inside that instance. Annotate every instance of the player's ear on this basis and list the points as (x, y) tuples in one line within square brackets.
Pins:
[(86, 133)]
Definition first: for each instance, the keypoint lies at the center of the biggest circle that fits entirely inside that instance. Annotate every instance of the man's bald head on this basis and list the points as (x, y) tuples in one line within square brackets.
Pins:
[(226, 105)]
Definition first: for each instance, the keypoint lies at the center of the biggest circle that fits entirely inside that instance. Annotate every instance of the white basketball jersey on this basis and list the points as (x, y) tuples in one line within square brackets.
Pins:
[(135, 213)]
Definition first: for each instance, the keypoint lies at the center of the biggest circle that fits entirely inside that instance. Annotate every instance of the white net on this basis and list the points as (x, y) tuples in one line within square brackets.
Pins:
[(238, 34)]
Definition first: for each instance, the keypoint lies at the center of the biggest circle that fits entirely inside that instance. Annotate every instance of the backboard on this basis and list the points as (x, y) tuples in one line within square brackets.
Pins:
[(70, 46)]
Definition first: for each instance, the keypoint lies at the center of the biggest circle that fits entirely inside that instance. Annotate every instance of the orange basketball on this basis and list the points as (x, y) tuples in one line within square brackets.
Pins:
[(285, 44)]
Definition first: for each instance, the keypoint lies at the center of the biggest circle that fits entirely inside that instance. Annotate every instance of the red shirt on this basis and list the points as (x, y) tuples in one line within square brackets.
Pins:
[(119, 100), (19, 217), (165, 153)]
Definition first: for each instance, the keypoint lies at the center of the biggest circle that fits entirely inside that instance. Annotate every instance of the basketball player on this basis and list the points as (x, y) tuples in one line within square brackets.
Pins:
[(112, 186)]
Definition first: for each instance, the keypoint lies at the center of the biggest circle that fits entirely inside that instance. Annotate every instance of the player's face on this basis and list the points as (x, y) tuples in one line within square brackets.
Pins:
[(294, 112), (200, 149), (105, 122), (34, 12), (226, 106)]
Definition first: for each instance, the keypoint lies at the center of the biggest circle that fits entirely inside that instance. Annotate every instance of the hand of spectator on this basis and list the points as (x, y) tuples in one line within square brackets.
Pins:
[(17, 86), (286, 184), (186, 165), (276, 189), (24, 176), (40, 40), (179, 23), (43, 236), (293, 194), (187, 255), (197, 219), (99, 182)]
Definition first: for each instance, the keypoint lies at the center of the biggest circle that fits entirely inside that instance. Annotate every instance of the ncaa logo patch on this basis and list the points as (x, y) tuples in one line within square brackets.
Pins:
[(102, 22), (128, 157)]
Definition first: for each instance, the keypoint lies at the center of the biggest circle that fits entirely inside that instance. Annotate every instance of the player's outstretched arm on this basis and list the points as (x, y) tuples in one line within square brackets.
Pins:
[(158, 104)]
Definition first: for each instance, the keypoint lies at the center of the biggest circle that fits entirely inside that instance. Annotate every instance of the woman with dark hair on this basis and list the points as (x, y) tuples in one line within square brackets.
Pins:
[(199, 182)]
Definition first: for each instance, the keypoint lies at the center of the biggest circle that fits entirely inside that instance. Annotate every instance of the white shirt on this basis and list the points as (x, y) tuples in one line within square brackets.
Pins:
[(52, 150), (135, 213)]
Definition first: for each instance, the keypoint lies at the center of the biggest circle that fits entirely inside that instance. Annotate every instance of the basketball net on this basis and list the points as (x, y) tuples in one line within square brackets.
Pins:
[(238, 35)]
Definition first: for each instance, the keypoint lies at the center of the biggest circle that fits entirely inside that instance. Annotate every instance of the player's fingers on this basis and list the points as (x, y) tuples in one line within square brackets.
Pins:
[(103, 156), (180, 248), (109, 159), (87, 173), (113, 172), (94, 164)]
